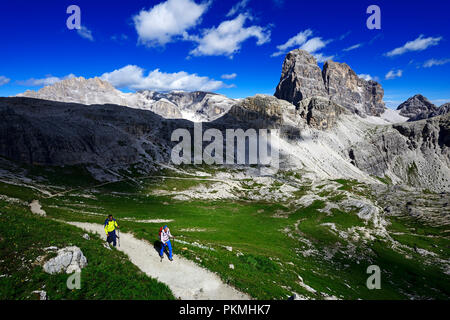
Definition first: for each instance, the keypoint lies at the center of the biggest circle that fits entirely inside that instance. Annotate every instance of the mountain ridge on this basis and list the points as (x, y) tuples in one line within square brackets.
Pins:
[(195, 106)]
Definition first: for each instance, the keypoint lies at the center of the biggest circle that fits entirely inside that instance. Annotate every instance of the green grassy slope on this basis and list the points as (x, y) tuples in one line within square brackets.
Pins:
[(277, 248), (108, 275)]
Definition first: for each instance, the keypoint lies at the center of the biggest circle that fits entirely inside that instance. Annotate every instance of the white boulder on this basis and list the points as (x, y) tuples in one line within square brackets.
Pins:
[(68, 260)]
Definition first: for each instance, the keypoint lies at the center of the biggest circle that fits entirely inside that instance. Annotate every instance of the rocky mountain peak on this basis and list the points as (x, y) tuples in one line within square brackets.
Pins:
[(71, 84), (78, 90), (415, 106), (302, 78)]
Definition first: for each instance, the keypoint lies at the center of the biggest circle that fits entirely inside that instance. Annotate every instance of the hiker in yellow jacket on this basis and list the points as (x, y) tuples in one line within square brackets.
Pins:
[(110, 229)]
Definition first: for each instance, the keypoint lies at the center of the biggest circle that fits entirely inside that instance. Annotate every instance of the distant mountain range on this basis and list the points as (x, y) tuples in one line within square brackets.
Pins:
[(301, 79), (332, 125), (195, 106)]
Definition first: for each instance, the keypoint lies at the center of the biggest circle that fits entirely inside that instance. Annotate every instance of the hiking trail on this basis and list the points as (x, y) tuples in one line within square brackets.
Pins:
[(187, 280)]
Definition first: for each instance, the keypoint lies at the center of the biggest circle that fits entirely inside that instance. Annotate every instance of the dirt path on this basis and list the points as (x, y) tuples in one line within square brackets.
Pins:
[(58, 194), (187, 280)]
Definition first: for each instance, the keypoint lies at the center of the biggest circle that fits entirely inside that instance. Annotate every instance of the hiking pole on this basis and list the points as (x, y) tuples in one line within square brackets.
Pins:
[(118, 231)]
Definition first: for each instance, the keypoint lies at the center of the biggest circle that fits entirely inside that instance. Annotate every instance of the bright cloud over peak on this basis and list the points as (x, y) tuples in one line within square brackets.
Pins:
[(366, 77), (302, 41), (164, 21), (296, 40), (133, 77)]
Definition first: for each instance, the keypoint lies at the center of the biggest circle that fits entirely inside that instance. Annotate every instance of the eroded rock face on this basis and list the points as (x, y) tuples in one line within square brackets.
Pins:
[(320, 113), (416, 105), (167, 109), (268, 112), (302, 78), (418, 153), (445, 108), (263, 112), (352, 92), (52, 133), (68, 260), (197, 105), (262, 108)]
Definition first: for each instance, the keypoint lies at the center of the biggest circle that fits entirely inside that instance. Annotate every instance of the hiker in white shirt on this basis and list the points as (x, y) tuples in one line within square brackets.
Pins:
[(165, 236)]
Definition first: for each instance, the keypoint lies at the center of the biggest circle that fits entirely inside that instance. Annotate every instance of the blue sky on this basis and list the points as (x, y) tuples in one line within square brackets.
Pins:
[(232, 47)]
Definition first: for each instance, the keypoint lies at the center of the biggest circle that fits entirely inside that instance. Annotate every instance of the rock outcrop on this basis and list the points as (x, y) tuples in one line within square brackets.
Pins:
[(320, 113), (68, 260), (263, 111), (344, 87), (415, 153), (445, 108), (302, 78)]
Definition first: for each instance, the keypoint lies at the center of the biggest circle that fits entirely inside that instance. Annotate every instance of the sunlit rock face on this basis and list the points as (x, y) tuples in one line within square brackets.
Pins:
[(302, 78)]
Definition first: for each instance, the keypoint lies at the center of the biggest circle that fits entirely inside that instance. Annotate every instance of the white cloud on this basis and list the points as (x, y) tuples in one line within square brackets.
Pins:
[(393, 104), (393, 74), (227, 38), (302, 41), (133, 77), (439, 102), (435, 62), (47, 81), (297, 40), (229, 76), (163, 22), (321, 58), (85, 33), (366, 77), (356, 46), (314, 44), (4, 80), (237, 7), (418, 44)]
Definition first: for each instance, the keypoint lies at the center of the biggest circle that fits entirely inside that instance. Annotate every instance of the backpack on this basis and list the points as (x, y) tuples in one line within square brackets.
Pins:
[(107, 221), (159, 234)]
